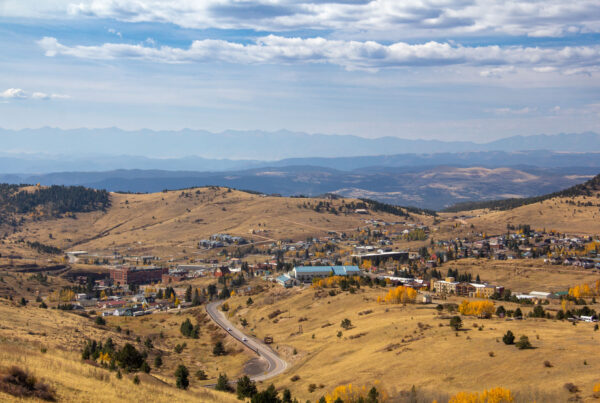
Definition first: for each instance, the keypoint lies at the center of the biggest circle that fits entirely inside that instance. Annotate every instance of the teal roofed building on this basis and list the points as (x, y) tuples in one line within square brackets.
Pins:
[(307, 273)]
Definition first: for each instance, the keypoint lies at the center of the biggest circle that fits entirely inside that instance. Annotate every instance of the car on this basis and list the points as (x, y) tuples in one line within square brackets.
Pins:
[(244, 339), (229, 329)]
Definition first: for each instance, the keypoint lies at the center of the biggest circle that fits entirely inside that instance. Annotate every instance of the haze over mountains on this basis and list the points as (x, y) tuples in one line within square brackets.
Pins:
[(263, 146), (428, 174)]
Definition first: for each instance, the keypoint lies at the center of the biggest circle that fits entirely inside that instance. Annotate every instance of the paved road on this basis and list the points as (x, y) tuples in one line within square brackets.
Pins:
[(276, 365)]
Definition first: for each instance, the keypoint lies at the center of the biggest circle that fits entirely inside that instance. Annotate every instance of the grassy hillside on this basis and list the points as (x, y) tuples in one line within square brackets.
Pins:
[(588, 188), (171, 223), (405, 346), (47, 343)]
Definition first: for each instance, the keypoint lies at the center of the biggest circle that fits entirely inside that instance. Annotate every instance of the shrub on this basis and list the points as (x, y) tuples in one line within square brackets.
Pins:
[(181, 377), (201, 375), (547, 364), (508, 338), (346, 323), (20, 383), (100, 321), (145, 367), (572, 388), (456, 322), (219, 349), (245, 388), (523, 343), (136, 380), (223, 383), (158, 362), (129, 358)]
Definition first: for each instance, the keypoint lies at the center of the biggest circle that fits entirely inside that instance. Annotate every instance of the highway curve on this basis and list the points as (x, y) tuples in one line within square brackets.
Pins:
[(276, 365)]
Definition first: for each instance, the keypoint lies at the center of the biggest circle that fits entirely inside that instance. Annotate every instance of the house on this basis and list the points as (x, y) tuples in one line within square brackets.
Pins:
[(221, 272), (307, 273), (285, 281)]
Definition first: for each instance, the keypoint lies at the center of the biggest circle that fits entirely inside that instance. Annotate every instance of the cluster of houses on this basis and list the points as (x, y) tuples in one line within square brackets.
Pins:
[(221, 240)]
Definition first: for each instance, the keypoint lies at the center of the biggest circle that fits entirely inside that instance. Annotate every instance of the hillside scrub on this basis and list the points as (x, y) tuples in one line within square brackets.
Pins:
[(20, 383)]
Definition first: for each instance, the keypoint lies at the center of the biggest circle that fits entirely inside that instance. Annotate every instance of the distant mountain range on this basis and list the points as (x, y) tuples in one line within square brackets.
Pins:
[(43, 163), (429, 174), (426, 187), (262, 146)]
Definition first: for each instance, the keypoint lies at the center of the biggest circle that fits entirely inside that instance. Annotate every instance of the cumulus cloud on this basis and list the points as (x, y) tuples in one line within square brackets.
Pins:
[(390, 17), (19, 94), (352, 55)]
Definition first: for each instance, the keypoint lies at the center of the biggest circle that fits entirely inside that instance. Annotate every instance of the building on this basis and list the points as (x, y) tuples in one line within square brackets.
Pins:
[(221, 272), (307, 273), (126, 275), (447, 286), (285, 281)]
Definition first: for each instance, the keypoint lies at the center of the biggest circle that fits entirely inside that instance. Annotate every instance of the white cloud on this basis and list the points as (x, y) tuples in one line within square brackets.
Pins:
[(115, 32), (351, 55), (391, 18), (512, 111), (18, 93)]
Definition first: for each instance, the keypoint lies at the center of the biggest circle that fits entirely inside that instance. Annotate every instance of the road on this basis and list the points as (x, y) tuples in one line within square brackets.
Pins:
[(276, 365)]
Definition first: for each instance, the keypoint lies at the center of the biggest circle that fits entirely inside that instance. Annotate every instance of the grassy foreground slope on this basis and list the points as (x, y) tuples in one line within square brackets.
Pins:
[(401, 346), (25, 331)]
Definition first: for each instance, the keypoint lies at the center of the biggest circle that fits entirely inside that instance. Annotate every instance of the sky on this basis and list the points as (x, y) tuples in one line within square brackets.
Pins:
[(475, 70)]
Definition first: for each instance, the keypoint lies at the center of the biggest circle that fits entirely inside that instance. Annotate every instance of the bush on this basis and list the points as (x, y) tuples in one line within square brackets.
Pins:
[(346, 323), (508, 338), (547, 364), (223, 383), (20, 383), (100, 321), (219, 349), (136, 380), (456, 323), (158, 362), (245, 388), (129, 358), (181, 377), (201, 375), (145, 367), (523, 343)]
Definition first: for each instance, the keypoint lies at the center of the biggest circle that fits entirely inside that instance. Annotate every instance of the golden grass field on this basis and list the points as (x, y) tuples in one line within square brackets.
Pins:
[(554, 214), (25, 331), (168, 224), (402, 346)]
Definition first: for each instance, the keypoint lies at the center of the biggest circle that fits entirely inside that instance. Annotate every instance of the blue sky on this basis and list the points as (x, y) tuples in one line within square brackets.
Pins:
[(434, 69)]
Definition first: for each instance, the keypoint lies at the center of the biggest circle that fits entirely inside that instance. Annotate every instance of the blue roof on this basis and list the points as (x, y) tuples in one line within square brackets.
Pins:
[(337, 270), (283, 278)]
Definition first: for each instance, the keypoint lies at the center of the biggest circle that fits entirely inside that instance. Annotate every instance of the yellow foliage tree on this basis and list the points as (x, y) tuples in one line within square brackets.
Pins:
[(400, 294), (494, 395), (233, 294), (477, 308), (353, 394)]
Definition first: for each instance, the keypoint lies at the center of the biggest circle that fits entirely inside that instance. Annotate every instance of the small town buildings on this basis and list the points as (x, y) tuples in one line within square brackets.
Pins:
[(447, 286), (126, 275), (307, 273)]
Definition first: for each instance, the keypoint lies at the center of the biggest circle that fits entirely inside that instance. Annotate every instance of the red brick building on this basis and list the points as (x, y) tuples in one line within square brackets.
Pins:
[(126, 275)]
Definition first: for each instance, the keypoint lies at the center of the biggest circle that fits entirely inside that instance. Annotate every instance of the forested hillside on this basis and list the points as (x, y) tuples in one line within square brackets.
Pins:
[(52, 201)]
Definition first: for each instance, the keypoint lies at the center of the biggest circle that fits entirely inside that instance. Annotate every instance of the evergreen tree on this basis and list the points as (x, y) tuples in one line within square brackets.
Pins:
[(181, 377)]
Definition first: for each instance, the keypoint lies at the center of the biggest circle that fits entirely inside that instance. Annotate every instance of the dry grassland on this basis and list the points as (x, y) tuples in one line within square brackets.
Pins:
[(402, 346)]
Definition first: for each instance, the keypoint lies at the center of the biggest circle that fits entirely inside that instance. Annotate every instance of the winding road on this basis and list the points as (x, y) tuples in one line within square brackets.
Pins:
[(276, 365)]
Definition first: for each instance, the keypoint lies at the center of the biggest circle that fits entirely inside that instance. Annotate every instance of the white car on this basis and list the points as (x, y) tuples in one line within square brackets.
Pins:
[(229, 329), (244, 339)]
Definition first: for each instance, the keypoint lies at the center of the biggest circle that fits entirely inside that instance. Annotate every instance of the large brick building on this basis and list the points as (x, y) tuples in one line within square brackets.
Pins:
[(126, 275)]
